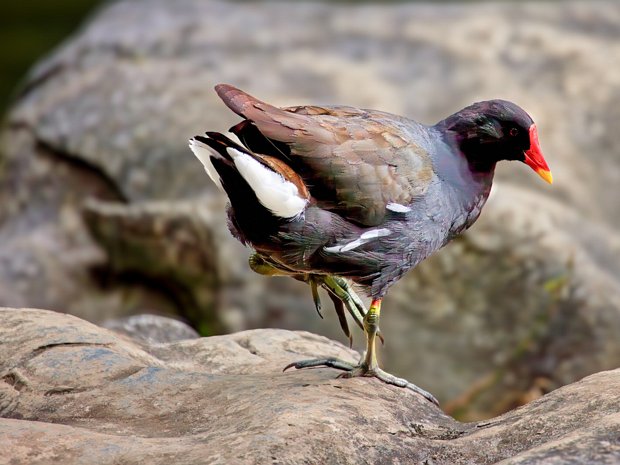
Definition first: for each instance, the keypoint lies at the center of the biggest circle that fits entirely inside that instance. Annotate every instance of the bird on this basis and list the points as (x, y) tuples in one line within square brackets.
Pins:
[(350, 199)]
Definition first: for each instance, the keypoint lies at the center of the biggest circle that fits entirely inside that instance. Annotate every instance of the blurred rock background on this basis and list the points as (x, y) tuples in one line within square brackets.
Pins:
[(105, 213)]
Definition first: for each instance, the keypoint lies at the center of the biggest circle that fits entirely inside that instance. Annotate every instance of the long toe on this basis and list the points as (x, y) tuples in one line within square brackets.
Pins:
[(321, 362), (400, 382)]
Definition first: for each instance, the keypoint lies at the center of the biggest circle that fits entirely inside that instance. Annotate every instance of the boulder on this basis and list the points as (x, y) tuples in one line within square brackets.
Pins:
[(73, 393), (524, 302)]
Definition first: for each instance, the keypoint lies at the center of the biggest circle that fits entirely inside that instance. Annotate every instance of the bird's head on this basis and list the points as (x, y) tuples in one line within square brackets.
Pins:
[(494, 130)]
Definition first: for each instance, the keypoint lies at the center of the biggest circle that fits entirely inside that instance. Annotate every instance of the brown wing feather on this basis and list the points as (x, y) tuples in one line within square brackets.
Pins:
[(354, 161)]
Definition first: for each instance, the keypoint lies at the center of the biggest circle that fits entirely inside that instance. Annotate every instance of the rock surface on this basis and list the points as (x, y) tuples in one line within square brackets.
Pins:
[(152, 328), (74, 393), (528, 300)]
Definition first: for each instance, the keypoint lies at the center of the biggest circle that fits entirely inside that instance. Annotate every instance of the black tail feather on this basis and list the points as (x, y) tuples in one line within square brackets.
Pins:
[(251, 222), (225, 141), (217, 145), (257, 142)]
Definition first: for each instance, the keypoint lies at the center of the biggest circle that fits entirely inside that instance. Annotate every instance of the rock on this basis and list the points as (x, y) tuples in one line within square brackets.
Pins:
[(152, 328), (171, 246), (525, 302), (71, 392)]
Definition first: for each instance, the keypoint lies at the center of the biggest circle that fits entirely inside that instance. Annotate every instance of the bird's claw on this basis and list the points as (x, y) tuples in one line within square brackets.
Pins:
[(339, 288)]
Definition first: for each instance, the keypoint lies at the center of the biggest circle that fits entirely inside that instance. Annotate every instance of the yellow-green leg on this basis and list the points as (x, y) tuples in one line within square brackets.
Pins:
[(259, 265), (339, 290), (339, 287)]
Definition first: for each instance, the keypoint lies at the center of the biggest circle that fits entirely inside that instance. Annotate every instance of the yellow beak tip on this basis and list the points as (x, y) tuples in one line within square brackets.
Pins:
[(546, 175)]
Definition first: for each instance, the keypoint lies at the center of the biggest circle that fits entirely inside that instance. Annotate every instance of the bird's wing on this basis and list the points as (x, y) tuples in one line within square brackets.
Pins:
[(358, 163)]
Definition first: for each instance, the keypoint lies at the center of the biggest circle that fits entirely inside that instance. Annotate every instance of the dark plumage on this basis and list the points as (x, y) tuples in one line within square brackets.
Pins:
[(359, 194)]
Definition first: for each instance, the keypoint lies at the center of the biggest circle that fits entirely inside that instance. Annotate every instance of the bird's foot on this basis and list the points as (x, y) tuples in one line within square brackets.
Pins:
[(362, 370)]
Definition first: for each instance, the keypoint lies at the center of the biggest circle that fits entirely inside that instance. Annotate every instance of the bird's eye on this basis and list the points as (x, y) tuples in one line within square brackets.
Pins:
[(513, 132)]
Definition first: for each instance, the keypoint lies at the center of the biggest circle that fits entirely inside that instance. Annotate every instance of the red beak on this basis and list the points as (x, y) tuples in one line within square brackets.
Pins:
[(534, 157)]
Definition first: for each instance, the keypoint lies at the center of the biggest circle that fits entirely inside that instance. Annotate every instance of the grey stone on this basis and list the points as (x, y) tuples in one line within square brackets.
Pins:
[(73, 393)]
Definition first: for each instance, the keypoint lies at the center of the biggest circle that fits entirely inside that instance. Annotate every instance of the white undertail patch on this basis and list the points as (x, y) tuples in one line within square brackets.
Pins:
[(397, 207), (363, 239), (203, 153), (274, 192)]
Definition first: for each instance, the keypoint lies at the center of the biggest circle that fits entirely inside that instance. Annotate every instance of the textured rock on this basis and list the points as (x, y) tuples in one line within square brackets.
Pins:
[(171, 246), (152, 328), (73, 393), (525, 302)]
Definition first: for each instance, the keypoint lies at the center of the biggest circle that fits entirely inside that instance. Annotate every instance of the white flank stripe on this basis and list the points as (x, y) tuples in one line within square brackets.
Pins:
[(203, 153), (397, 207), (277, 194), (374, 233), (363, 239)]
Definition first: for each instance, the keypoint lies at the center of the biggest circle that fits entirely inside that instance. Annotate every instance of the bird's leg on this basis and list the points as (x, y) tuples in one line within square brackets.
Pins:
[(342, 317), (355, 299), (369, 366), (337, 287), (259, 265), (341, 289), (371, 325)]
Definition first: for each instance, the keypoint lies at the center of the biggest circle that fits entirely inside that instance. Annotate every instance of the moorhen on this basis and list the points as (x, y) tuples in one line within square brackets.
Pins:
[(334, 195)]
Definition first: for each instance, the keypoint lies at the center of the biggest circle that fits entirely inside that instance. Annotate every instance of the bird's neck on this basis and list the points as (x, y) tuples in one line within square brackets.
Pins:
[(461, 135), (462, 179), (473, 189), (459, 167)]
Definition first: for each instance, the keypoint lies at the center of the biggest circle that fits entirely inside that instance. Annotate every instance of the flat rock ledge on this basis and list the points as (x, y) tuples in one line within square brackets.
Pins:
[(75, 393)]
